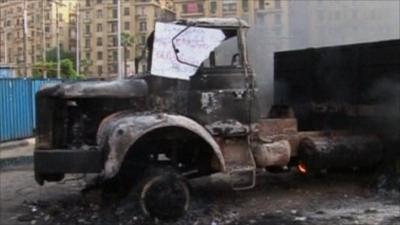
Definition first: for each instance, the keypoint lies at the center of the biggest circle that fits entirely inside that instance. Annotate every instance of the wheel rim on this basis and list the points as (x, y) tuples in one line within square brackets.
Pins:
[(165, 197)]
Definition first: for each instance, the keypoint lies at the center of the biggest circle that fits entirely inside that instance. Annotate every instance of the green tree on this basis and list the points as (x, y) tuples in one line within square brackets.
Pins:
[(67, 70), (127, 40), (66, 66), (51, 55), (85, 64)]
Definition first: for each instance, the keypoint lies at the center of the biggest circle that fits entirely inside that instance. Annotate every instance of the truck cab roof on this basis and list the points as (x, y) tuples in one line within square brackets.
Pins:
[(214, 22)]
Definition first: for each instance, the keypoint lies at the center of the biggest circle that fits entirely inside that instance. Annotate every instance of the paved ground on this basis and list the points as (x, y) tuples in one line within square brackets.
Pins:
[(16, 153), (346, 199), (278, 199)]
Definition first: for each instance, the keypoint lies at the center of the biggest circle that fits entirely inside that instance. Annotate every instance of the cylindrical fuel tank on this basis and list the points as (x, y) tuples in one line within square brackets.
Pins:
[(318, 153)]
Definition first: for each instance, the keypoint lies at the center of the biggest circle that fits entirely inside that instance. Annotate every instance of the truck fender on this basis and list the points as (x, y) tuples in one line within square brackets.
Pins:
[(119, 131)]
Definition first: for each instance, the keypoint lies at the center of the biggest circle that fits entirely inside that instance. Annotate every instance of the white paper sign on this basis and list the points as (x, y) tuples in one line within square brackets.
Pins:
[(194, 45)]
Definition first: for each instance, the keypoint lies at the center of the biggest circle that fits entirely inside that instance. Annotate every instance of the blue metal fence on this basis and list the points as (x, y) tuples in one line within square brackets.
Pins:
[(17, 107), (6, 72)]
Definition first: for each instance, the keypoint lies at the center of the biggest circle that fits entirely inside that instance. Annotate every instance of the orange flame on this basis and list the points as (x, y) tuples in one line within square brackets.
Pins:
[(302, 168)]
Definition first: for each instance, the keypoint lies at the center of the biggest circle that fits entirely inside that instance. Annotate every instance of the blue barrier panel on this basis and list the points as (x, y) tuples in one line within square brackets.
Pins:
[(17, 107)]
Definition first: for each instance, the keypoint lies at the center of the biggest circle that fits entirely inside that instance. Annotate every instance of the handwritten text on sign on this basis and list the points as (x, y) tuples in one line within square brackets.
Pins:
[(194, 45)]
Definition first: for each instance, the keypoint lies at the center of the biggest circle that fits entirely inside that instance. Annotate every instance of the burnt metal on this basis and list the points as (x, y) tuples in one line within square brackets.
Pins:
[(319, 153), (119, 132), (224, 23), (324, 84), (164, 194), (276, 153), (68, 161), (112, 115), (89, 89), (239, 161)]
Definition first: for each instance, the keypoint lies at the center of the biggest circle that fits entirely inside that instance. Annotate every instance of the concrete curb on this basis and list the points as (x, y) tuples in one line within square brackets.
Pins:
[(15, 162), (16, 144), (15, 154)]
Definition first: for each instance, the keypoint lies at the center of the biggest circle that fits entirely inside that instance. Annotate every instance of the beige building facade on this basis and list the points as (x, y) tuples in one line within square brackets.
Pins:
[(24, 44), (268, 18), (253, 11), (97, 20), (99, 29)]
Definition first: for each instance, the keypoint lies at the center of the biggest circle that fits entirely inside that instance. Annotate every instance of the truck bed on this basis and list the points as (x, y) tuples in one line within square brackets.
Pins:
[(341, 87)]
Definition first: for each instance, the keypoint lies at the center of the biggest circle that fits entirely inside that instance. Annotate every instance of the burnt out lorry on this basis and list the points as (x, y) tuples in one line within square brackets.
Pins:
[(196, 112)]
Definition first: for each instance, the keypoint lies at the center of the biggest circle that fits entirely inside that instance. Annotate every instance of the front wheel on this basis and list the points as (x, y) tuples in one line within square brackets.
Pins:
[(164, 194)]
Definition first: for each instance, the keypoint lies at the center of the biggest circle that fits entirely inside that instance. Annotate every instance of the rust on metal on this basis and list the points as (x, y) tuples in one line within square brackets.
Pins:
[(119, 133)]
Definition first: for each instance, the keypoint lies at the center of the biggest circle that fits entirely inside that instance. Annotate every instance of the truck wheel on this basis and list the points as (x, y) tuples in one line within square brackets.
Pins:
[(164, 194)]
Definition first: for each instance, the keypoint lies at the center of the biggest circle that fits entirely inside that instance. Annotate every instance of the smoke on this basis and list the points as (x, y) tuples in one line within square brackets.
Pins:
[(306, 24), (387, 93)]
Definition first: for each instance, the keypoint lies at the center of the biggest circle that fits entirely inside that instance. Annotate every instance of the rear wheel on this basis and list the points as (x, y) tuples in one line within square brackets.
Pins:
[(164, 194)]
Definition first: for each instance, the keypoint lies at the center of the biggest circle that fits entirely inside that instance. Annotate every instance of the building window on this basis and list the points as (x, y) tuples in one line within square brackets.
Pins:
[(127, 26), (261, 4), (87, 29), (100, 70), (99, 13), (213, 7), (112, 68), (200, 7), (141, 11), (87, 43), (100, 55), (126, 11), (47, 29), (99, 41), (87, 56), (143, 26), (114, 13), (115, 1), (99, 1), (143, 41), (192, 7), (229, 7), (87, 2), (245, 5), (114, 41), (99, 27), (114, 27), (184, 8)]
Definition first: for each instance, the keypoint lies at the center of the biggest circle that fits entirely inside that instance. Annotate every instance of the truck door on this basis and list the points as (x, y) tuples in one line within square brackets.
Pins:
[(218, 89)]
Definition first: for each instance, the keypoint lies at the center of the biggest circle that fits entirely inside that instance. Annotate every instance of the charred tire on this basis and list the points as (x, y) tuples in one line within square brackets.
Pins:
[(164, 194)]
